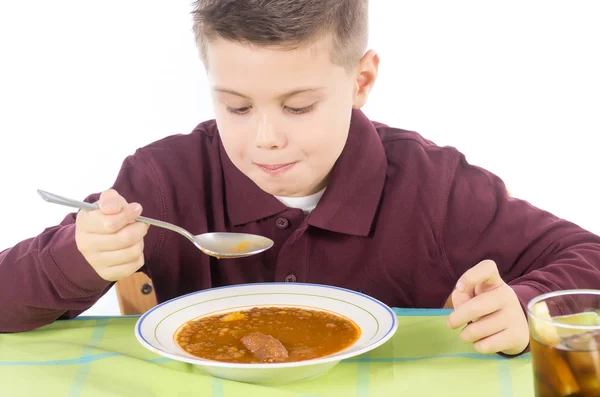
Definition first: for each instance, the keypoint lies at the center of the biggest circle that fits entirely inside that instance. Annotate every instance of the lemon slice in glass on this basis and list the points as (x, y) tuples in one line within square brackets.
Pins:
[(584, 318), (545, 331)]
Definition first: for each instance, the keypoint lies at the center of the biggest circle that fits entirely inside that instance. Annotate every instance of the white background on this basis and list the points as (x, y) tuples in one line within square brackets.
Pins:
[(515, 85)]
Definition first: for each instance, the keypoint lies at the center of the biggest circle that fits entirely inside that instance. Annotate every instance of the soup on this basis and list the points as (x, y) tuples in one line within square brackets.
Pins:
[(267, 335)]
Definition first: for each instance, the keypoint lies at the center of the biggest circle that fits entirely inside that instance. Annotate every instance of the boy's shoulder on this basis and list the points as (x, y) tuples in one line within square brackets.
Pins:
[(182, 148), (405, 145), (427, 164), (181, 154), (203, 134), (390, 135)]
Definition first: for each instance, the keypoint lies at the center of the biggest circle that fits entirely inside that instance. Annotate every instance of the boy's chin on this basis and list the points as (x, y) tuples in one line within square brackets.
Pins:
[(277, 189), (290, 187), (274, 190)]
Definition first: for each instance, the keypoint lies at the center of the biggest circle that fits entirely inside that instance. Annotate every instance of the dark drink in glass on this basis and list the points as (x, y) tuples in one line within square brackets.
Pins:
[(565, 343)]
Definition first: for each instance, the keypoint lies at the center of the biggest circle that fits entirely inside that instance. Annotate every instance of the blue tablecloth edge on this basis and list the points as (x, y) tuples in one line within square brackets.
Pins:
[(397, 310)]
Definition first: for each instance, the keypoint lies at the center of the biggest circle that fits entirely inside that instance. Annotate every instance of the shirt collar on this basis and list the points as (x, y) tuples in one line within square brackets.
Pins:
[(354, 190), (353, 193)]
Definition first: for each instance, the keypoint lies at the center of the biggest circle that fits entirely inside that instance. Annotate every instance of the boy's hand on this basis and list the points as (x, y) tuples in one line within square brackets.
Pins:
[(110, 239), (494, 319)]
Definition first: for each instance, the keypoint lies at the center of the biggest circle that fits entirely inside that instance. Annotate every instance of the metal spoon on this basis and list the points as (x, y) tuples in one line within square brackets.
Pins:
[(219, 244)]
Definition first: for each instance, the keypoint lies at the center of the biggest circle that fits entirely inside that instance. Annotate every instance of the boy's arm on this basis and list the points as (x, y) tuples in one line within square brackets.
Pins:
[(535, 251), (46, 277)]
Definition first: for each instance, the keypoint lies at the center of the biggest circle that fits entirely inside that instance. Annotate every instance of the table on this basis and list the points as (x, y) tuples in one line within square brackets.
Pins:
[(99, 356)]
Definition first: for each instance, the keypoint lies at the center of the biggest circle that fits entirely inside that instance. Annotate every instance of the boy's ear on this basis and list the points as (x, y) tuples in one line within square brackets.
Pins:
[(368, 66)]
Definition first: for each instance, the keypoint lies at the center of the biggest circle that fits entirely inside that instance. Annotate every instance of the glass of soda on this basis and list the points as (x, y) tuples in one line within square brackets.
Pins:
[(565, 343)]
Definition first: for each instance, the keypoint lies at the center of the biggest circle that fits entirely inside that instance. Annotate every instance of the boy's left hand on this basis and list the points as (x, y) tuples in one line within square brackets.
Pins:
[(494, 319)]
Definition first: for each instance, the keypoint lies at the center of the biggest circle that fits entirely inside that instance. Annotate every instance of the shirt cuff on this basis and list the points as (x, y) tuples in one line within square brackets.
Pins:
[(525, 293)]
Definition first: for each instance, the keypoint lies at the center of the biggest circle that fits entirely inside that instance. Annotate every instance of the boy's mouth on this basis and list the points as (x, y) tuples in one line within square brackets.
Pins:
[(275, 169)]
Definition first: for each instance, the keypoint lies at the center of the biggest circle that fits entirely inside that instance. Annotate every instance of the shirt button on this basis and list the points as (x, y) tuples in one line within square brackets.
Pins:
[(290, 278), (282, 223)]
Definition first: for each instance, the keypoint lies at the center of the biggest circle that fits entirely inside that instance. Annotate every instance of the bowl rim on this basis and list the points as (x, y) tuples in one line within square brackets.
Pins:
[(315, 361)]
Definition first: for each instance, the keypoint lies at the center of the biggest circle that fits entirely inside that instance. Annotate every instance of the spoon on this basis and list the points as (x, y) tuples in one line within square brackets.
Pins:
[(218, 244)]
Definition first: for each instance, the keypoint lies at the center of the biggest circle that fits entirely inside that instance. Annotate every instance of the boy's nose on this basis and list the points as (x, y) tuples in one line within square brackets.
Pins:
[(267, 135)]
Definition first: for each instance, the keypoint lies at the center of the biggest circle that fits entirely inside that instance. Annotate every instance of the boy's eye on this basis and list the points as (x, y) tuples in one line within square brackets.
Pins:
[(242, 110), (303, 110)]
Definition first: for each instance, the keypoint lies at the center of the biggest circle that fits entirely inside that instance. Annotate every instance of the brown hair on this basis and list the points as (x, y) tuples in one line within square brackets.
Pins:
[(285, 23)]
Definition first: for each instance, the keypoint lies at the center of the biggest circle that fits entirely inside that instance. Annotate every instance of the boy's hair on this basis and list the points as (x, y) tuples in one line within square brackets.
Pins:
[(287, 24)]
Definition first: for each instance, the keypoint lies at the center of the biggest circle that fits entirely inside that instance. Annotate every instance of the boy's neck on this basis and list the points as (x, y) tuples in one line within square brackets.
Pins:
[(306, 203)]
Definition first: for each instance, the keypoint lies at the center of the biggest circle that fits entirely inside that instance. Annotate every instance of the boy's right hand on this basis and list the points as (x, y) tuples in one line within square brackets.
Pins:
[(110, 239)]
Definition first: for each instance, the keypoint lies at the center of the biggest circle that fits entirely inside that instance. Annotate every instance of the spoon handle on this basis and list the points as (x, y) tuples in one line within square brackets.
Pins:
[(56, 199)]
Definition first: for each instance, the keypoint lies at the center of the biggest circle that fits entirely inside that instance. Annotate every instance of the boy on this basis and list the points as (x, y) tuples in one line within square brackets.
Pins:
[(348, 202)]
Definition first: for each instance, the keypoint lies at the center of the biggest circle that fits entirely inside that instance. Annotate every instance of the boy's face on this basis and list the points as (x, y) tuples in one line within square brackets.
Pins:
[(284, 115)]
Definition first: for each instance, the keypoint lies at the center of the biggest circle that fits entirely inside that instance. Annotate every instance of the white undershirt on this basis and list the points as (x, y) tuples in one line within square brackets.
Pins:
[(306, 204)]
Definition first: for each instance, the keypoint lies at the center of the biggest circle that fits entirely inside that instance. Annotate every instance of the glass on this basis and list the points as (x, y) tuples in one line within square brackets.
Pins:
[(565, 343)]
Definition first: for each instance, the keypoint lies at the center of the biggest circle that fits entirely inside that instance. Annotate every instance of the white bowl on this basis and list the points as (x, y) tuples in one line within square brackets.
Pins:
[(156, 328)]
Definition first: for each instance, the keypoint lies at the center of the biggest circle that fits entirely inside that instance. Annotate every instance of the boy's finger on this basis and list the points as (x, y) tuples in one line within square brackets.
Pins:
[(111, 202), (459, 298), (476, 308), (484, 273), (494, 343), (484, 327), (116, 273), (127, 236), (99, 223), (466, 287)]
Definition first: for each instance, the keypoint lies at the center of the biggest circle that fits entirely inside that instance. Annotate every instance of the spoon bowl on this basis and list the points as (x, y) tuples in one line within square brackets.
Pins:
[(232, 245), (217, 244)]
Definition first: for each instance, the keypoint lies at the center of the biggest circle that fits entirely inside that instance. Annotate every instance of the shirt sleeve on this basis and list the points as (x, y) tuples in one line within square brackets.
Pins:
[(45, 278), (535, 251)]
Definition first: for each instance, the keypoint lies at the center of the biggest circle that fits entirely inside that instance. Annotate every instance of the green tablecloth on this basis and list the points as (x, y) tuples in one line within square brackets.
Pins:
[(99, 356)]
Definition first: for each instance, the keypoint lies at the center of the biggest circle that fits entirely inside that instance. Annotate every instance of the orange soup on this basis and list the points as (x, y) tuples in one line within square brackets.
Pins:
[(267, 335)]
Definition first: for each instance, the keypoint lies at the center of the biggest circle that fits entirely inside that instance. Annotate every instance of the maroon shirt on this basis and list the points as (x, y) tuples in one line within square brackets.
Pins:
[(401, 220)]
